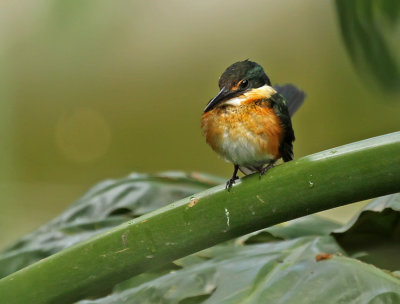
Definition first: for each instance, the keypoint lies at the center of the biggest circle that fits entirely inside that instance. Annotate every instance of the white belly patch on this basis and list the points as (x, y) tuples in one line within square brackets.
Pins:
[(243, 151)]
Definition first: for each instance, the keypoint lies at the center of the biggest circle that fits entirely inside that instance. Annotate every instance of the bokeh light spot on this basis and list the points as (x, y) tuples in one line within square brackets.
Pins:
[(82, 136)]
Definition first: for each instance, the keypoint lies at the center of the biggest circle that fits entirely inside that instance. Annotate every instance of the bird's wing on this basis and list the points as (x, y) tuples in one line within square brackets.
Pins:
[(294, 96), (285, 103), (279, 104)]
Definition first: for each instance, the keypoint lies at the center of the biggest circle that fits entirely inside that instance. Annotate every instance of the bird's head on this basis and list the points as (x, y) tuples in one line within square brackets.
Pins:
[(237, 80)]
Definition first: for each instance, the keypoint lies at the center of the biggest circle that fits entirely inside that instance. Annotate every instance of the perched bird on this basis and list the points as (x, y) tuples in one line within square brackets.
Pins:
[(248, 122)]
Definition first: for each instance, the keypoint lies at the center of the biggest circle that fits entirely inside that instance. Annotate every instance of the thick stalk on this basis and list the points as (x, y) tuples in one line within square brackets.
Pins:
[(314, 183)]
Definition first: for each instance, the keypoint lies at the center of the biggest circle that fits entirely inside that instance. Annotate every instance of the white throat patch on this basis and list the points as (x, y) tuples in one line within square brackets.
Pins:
[(264, 92)]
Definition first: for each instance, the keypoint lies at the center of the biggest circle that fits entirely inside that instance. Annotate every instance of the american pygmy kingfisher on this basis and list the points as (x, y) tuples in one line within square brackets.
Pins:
[(248, 122)]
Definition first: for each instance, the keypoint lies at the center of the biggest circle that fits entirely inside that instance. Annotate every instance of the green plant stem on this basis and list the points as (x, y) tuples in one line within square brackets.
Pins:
[(314, 183)]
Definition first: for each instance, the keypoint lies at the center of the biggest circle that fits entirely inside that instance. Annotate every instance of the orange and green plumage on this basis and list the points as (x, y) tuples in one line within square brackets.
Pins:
[(248, 123)]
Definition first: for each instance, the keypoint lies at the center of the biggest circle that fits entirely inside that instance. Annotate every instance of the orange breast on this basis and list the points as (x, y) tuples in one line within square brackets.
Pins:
[(247, 134)]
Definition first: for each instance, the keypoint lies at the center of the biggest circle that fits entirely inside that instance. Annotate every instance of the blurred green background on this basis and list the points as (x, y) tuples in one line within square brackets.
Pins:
[(91, 90)]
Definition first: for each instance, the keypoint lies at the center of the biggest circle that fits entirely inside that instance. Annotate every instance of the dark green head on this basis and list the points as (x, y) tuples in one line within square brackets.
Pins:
[(238, 78)]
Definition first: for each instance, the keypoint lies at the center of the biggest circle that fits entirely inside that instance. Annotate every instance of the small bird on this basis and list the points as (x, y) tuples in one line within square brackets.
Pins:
[(248, 122)]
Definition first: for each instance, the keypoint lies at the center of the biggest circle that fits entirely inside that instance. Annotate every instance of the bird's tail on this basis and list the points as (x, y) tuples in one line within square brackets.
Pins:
[(294, 96)]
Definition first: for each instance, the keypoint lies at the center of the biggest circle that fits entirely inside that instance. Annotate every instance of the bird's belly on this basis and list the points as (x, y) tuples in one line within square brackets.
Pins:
[(243, 138), (244, 148)]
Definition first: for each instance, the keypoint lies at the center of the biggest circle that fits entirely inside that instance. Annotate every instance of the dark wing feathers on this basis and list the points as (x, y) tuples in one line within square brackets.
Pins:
[(294, 97), (278, 103)]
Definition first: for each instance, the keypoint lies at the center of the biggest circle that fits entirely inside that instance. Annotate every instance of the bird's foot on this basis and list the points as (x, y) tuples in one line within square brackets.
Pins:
[(266, 168), (230, 182)]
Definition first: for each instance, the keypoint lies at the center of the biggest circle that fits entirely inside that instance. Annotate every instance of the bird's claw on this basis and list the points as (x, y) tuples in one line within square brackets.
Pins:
[(230, 183)]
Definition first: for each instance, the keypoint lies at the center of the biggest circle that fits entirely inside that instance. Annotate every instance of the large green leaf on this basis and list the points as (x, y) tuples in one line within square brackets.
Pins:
[(370, 30), (106, 205), (273, 265), (251, 269), (310, 184), (274, 272), (374, 234), (277, 264)]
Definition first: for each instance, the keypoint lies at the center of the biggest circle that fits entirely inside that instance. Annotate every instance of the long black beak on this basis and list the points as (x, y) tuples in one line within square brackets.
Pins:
[(223, 94)]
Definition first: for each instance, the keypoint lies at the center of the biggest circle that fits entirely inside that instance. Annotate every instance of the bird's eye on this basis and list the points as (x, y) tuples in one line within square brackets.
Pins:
[(244, 84)]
